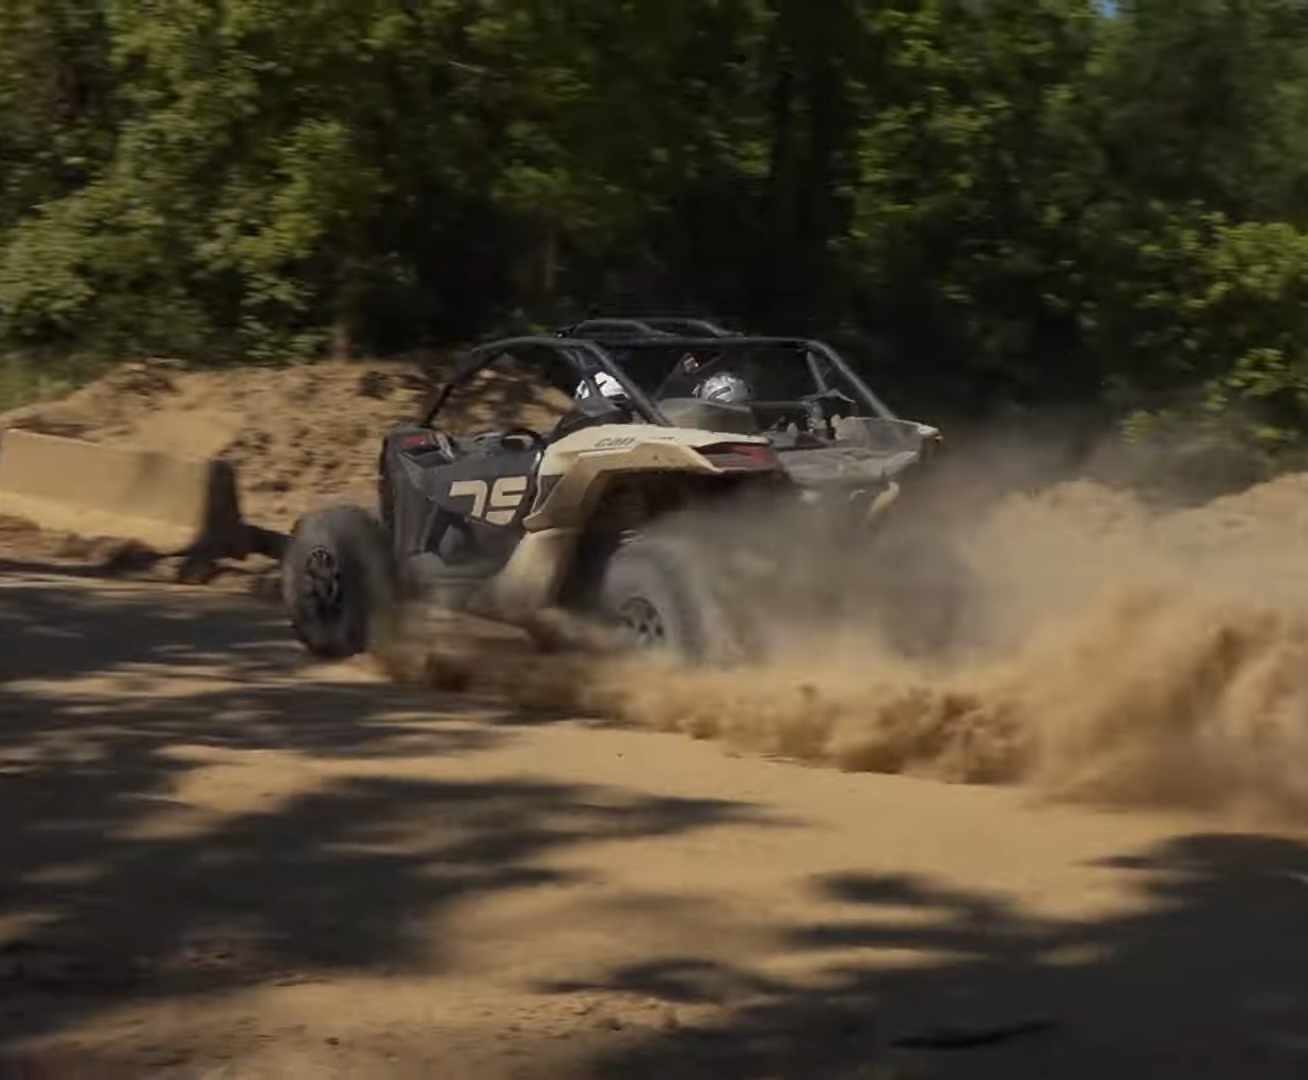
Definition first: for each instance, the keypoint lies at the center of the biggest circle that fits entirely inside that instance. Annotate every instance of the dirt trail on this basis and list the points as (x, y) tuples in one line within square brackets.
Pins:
[(221, 861), (1105, 651)]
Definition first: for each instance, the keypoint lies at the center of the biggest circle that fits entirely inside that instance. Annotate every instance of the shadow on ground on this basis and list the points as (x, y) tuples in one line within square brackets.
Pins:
[(1206, 978), (115, 888)]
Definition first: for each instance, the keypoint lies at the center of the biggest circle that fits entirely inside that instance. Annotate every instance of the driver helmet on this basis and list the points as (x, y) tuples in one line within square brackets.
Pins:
[(609, 387), (725, 388)]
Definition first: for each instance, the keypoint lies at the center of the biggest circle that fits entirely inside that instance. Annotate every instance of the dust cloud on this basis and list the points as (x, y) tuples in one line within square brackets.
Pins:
[(1078, 641)]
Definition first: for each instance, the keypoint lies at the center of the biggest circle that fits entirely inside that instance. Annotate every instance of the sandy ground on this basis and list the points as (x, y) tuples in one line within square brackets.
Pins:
[(219, 860)]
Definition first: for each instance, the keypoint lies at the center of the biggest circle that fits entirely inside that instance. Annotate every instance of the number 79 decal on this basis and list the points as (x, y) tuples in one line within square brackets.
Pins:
[(504, 498)]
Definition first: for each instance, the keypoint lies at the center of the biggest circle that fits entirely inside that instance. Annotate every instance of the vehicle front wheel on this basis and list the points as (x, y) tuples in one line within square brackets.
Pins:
[(658, 594), (338, 580)]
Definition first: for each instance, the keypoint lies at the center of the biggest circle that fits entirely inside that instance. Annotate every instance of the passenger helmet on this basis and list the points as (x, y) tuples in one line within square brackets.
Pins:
[(724, 388), (609, 387)]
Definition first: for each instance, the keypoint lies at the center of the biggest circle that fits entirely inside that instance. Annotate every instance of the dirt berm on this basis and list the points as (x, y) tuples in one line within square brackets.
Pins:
[(219, 462), (173, 504)]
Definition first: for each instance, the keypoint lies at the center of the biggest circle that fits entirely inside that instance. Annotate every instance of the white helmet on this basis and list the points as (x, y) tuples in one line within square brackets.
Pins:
[(725, 388), (609, 387)]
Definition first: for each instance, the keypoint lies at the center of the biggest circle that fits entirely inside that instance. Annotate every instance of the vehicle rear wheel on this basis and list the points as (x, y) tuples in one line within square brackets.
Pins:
[(659, 596), (338, 580)]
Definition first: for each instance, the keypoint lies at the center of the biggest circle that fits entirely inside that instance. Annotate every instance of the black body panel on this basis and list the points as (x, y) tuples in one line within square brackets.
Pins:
[(460, 499), (456, 504)]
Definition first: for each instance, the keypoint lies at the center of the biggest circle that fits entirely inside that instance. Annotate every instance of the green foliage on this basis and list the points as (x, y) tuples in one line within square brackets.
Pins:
[(22, 383), (1241, 325), (1015, 201)]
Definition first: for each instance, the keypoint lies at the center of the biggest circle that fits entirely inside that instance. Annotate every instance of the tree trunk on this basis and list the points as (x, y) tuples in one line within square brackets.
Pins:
[(342, 347)]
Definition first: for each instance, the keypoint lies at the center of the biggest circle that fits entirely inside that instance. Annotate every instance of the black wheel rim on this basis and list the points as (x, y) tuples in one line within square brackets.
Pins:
[(642, 622), (322, 575)]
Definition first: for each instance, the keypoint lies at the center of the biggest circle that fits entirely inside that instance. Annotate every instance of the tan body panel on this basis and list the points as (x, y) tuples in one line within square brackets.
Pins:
[(584, 461), (582, 465), (533, 575), (170, 503)]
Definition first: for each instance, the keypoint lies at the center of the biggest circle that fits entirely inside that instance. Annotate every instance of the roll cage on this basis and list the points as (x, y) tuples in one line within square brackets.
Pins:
[(587, 358), (813, 352), (644, 326)]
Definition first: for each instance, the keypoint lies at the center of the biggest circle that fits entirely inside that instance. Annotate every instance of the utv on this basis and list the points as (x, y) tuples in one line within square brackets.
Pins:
[(484, 515)]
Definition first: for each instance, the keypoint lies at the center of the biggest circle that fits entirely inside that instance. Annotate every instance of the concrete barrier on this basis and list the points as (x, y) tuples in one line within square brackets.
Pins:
[(172, 504)]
